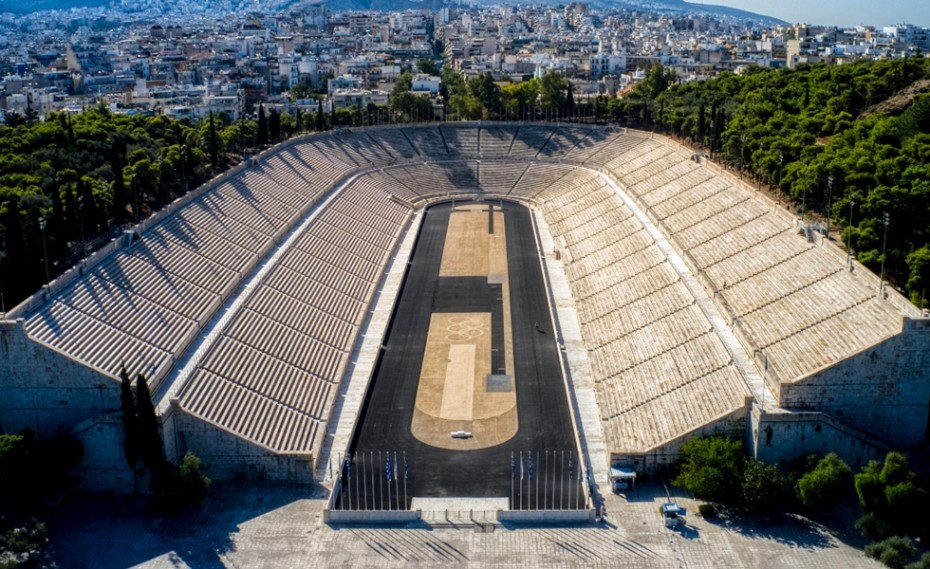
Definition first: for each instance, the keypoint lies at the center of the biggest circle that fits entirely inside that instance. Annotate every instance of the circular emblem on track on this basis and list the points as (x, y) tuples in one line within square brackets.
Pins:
[(463, 329)]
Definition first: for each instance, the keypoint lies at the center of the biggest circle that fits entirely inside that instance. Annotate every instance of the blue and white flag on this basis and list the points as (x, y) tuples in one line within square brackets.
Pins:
[(530, 465), (569, 467), (387, 467), (330, 468), (521, 465), (395, 466), (513, 467), (405, 465), (349, 466)]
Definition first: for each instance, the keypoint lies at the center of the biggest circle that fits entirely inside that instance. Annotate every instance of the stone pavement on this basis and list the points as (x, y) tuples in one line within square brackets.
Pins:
[(271, 527)]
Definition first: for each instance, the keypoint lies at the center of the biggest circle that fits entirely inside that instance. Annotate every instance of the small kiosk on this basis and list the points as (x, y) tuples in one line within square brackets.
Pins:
[(622, 479)]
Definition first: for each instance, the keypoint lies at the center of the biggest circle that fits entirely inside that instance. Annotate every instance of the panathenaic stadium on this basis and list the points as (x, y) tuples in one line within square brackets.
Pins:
[(585, 298)]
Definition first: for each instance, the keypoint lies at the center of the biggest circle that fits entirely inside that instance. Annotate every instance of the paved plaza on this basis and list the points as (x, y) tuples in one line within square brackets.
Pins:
[(267, 527)]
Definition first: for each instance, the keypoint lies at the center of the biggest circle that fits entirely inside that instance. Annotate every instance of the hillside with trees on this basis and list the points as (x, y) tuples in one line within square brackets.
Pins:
[(70, 183), (818, 134), (847, 144)]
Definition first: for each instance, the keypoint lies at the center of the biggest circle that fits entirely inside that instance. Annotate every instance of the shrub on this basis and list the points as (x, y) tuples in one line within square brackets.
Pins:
[(712, 467), (922, 563), (893, 552), (762, 487), (822, 487)]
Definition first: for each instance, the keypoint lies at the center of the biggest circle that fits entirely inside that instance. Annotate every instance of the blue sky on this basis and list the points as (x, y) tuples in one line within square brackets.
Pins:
[(837, 12)]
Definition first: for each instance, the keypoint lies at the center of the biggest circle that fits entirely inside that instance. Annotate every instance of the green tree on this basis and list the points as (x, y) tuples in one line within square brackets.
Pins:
[(486, 93), (22, 546), (213, 145), (922, 563), (553, 91), (825, 484), (893, 552), (262, 126), (130, 423), (150, 446), (761, 487), (428, 66), (192, 484), (891, 500), (712, 467)]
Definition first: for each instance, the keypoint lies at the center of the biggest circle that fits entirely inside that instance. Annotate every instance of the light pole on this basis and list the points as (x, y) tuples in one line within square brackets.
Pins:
[(80, 204), (48, 285), (829, 212), (885, 219), (849, 236)]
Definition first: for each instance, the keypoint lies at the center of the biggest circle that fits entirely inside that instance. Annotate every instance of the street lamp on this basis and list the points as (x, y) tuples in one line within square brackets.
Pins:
[(849, 236), (48, 285), (885, 219)]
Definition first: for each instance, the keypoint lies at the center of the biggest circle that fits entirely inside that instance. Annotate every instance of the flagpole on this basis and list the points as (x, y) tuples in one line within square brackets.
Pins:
[(512, 469), (521, 479), (387, 474), (348, 461), (537, 482), (371, 461), (546, 482), (365, 477), (342, 498), (571, 472), (396, 482), (562, 481), (405, 480)]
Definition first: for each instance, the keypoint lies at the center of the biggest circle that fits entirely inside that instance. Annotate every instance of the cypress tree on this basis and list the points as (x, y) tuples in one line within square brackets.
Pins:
[(213, 148), (90, 208), (72, 219), (262, 126), (120, 196), (150, 449), (319, 116), (130, 424), (274, 125), (701, 125), (297, 120)]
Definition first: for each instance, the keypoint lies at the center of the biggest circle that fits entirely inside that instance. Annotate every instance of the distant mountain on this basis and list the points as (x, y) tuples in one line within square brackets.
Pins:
[(20, 7), (671, 6), (721, 10)]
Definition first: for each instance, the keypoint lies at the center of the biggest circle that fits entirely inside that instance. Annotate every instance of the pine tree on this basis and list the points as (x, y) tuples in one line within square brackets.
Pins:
[(150, 447), (130, 424)]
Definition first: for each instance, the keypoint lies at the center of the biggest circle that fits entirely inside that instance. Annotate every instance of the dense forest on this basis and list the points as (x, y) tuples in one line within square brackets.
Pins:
[(69, 183), (849, 144)]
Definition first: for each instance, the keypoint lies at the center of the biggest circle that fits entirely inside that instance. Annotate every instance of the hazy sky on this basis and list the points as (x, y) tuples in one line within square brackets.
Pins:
[(837, 12)]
